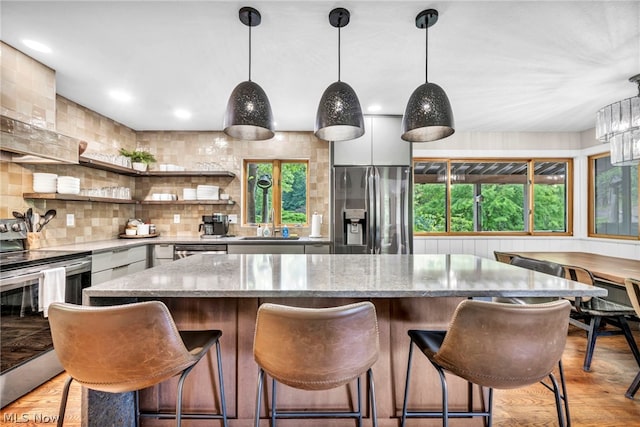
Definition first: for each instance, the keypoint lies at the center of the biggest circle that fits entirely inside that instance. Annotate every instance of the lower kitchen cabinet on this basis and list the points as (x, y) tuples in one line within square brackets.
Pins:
[(117, 263), (317, 248), (161, 254)]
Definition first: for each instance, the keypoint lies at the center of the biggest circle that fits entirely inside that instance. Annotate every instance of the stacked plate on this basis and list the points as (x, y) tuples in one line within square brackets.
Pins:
[(45, 182), (68, 185), (189, 194), (207, 192)]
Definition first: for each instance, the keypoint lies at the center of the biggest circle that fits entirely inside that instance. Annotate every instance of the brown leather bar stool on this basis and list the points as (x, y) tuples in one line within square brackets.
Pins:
[(316, 349), (590, 314), (129, 347), (633, 290), (494, 345)]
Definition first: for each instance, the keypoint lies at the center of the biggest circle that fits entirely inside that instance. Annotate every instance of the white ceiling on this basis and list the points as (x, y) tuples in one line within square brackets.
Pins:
[(506, 65)]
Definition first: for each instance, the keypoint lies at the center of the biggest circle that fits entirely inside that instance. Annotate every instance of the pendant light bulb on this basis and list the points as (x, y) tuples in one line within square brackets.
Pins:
[(428, 116), (339, 116), (248, 115)]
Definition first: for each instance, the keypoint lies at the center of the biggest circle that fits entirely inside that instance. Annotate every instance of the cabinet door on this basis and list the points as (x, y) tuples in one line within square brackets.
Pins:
[(387, 146), (356, 151), (317, 248)]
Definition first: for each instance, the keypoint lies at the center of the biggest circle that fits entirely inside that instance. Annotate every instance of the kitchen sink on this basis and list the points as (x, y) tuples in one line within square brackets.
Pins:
[(268, 238)]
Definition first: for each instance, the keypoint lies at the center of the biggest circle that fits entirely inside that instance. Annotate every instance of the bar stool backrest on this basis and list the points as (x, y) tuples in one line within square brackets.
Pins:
[(118, 349), (316, 348), (503, 345)]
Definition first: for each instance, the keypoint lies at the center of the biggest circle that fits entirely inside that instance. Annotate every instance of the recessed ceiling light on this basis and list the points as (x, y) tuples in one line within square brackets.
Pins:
[(37, 46), (120, 95), (182, 113), (374, 108)]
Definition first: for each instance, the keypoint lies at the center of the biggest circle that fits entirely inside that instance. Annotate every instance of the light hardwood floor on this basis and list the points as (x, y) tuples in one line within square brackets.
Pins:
[(596, 398)]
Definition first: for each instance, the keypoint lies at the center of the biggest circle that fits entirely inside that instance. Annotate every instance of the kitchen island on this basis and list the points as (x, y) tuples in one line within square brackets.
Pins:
[(225, 291)]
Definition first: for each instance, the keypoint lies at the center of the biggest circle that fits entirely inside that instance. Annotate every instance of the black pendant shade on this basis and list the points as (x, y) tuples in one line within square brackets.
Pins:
[(428, 116), (249, 116), (339, 115)]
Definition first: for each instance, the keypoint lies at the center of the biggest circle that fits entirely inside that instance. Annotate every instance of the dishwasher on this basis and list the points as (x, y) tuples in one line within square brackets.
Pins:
[(183, 251)]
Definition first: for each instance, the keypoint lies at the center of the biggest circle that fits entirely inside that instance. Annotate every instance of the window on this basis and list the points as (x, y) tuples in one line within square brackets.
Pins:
[(497, 196), (613, 199), (278, 185)]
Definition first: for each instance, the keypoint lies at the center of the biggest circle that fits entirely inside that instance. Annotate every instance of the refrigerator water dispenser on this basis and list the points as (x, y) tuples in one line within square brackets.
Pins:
[(354, 224)]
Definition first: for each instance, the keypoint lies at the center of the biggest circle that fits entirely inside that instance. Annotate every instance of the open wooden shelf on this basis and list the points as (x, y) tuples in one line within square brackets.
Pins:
[(76, 198), (97, 164)]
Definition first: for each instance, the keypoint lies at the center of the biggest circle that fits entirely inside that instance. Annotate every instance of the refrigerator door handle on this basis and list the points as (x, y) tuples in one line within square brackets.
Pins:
[(370, 205), (377, 209)]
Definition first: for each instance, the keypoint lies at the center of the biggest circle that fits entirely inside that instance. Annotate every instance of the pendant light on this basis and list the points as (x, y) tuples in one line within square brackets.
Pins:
[(339, 115), (619, 124), (248, 116), (428, 116)]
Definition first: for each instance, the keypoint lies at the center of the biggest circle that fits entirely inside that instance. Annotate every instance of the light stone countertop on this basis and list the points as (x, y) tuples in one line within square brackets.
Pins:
[(361, 276)]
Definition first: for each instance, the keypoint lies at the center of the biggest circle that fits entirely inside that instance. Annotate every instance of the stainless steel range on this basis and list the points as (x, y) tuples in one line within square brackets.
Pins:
[(26, 354)]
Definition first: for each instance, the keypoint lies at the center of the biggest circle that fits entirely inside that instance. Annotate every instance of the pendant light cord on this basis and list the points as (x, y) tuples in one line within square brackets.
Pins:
[(426, 54), (249, 47), (339, 19)]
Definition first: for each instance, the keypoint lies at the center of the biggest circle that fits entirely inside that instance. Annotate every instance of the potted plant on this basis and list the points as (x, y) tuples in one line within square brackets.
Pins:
[(140, 159)]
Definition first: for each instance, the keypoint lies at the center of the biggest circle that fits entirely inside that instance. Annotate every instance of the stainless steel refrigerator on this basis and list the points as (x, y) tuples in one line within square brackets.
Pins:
[(372, 210)]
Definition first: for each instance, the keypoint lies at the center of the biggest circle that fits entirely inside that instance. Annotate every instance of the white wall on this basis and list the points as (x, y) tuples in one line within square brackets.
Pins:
[(494, 145)]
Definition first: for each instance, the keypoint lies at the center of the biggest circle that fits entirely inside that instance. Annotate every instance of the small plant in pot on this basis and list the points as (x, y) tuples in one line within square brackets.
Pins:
[(140, 160)]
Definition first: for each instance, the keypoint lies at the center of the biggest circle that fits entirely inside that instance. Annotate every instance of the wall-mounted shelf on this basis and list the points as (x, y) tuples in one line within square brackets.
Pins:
[(79, 198), (188, 202), (76, 198), (97, 164)]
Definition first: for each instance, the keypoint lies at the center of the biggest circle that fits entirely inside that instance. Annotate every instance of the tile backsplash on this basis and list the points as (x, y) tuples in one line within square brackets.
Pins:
[(193, 150)]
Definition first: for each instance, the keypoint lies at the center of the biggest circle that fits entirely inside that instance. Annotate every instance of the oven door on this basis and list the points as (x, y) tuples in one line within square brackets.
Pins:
[(27, 358)]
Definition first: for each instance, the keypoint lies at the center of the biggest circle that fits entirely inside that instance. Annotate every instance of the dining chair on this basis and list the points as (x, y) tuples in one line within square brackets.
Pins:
[(495, 346), (316, 349), (541, 266), (503, 257), (633, 291), (593, 314), (126, 348)]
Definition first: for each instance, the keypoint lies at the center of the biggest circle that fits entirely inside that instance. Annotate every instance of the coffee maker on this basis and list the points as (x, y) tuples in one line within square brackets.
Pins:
[(216, 225)]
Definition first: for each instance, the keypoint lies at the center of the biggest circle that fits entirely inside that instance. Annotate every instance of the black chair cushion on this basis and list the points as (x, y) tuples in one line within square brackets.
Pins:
[(428, 342)]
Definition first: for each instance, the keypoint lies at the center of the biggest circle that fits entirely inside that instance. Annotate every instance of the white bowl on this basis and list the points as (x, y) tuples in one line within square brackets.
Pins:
[(130, 231)]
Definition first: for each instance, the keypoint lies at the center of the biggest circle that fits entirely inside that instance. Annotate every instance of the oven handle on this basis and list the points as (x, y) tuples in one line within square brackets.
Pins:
[(78, 267)]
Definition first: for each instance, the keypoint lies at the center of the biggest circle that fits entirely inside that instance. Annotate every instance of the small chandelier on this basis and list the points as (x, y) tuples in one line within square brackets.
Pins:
[(249, 116), (619, 125)]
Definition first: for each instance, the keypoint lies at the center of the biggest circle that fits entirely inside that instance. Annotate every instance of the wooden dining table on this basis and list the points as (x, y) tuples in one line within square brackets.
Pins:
[(610, 269)]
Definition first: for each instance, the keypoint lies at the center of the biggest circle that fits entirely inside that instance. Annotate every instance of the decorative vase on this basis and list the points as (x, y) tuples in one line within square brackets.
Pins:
[(139, 166)]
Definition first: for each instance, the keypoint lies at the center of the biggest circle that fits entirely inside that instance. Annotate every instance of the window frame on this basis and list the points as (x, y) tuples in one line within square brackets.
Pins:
[(276, 190), (529, 192), (591, 200)]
